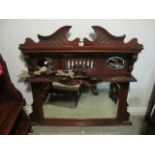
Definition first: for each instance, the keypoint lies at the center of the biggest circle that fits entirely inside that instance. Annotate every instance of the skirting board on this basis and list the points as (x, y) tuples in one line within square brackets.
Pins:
[(137, 111)]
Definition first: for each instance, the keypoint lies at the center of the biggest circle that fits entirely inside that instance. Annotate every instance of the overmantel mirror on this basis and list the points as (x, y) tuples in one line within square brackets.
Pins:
[(80, 83)]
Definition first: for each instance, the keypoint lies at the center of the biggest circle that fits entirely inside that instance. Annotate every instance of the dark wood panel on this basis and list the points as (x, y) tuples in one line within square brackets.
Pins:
[(11, 105)]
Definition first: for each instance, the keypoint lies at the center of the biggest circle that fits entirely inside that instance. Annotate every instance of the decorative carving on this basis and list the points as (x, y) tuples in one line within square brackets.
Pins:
[(57, 39), (133, 60), (104, 38), (127, 113), (88, 60)]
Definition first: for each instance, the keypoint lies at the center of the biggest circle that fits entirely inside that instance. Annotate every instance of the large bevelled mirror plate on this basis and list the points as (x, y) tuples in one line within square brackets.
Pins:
[(86, 105)]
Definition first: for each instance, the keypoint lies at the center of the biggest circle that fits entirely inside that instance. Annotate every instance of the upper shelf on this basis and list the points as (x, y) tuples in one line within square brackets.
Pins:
[(58, 42), (105, 78)]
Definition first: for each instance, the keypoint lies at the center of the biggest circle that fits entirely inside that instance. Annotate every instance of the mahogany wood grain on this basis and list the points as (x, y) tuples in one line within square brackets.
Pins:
[(61, 50)]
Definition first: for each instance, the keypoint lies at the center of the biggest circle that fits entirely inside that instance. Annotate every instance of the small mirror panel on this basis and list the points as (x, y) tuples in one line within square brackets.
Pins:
[(115, 62)]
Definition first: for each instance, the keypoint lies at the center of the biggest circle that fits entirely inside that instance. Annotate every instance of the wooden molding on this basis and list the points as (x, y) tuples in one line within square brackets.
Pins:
[(59, 40)]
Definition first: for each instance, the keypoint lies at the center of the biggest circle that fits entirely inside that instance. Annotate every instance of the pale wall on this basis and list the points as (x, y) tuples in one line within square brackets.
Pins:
[(14, 32)]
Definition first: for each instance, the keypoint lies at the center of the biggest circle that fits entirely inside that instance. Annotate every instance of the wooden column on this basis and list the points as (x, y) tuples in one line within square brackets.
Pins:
[(122, 114), (37, 114)]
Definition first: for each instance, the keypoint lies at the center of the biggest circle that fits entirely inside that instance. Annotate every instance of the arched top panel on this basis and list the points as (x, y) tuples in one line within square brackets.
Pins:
[(103, 41)]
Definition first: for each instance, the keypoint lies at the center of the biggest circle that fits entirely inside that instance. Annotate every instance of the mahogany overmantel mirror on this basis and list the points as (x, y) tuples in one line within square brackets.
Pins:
[(80, 82)]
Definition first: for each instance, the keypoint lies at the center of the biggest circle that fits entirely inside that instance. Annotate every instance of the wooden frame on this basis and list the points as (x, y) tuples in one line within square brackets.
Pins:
[(103, 47)]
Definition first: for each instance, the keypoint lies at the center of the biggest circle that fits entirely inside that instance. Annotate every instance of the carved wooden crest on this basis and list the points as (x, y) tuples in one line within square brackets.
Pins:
[(103, 37), (59, 40)]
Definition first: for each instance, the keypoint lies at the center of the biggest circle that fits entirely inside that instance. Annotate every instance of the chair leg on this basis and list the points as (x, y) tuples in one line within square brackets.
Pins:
[(77, 96), (94, 90)]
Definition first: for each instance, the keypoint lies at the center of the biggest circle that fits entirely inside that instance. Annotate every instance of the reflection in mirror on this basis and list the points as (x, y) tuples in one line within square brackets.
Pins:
[(116, 62), (80, 102)]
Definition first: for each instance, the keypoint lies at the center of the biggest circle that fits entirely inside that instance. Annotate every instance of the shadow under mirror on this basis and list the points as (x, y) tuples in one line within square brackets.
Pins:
[(83, 102)]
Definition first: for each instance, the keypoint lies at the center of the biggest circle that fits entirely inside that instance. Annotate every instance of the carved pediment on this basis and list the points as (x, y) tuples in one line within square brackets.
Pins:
[(103, 40), (103, 37), (58, 39)]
